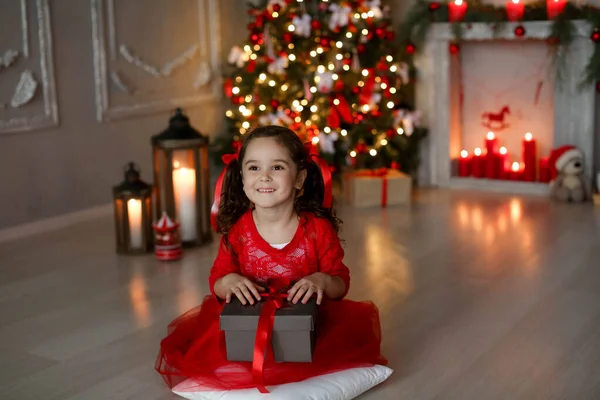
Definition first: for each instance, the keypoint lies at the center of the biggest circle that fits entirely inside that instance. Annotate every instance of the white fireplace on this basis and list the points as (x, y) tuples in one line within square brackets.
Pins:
[(569, 120)]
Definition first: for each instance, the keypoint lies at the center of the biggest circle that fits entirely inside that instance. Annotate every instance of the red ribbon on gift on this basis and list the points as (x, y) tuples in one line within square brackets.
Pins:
[(264, 332), (381, 173)]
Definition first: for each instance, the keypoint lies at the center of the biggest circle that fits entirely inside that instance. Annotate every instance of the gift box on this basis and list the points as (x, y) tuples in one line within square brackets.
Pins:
[(383, 187), (294, 331)]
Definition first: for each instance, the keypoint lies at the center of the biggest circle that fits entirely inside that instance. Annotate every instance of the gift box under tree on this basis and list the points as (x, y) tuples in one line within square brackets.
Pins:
[(380, 187)]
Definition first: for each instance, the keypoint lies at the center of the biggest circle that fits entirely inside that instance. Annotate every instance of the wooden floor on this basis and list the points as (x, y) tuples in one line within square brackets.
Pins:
[(482, 296)]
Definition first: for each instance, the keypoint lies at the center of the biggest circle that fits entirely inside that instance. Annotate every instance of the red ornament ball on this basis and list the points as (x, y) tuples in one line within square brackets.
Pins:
[(390, 133), (595, 36), (520, 31), (254, 37), (390, 35), (380, 33), (356, 90), (347, 61), (315, 24), (288, 37), (339, 85), (434, 6), (276, 8), (325, 41), (454, 48), (410, 48), (274, 103), (361, 48)]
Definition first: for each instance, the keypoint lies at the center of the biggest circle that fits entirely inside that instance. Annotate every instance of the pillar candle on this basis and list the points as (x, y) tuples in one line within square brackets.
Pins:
[(529, 158), (491, 162), (514, 10), (134, 214), (464, 164), (184, 186), (555, 7), (544, 170), (515, 172), (456, 10), (477, 164), (503, 163)]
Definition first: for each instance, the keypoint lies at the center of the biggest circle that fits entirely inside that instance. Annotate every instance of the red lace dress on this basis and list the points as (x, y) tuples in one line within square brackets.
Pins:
[(349, 331)]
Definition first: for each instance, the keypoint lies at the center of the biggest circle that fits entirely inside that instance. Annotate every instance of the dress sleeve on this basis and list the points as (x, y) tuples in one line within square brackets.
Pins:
[(225, 263), (330, 252)]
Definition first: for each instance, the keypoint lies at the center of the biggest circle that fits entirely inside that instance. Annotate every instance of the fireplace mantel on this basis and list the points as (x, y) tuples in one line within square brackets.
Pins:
[(574, 106)]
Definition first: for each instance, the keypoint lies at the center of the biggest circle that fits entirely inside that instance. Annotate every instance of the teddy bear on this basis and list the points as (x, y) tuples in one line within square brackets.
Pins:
[(570, 184)]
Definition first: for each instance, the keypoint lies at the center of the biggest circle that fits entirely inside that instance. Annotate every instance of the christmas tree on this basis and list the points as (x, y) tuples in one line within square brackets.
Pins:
[(329, 71)]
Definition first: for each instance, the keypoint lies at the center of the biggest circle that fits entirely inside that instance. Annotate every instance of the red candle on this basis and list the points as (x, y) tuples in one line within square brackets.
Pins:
[(555, 7), (529, 158), (477, 164), (464, 164), (514, 10), (456, 10), (490, 157), (515, 172), (544, 170), (503, 163)]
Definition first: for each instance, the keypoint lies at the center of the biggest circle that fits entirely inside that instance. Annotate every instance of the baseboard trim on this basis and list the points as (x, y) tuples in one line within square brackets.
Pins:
[(54, 223)]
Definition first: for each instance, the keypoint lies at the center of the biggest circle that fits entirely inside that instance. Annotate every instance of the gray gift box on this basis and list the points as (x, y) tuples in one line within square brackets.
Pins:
[(293, 338)]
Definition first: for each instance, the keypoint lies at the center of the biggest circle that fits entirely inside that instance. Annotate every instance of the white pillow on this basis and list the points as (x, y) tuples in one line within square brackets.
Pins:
[(341, 385)]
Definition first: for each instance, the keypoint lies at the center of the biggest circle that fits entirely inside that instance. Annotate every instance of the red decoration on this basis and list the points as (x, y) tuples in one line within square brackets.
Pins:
[(380, 33), (167, 242), (315, 24), (361, 48), (464, 164), (454, 48), (555, 7), (390, 35), (515, 10), (457, 10), (276, 8), (395, 165), (274, 103), (288, 37), (254, 37), (339, 85), (495, 121), (355, 90), (325, 41), (228, 87), (595, 36), (529, 158), (390, 133), (361, 148), (251, 66), (410, 48), (520, 31), (434, 6)]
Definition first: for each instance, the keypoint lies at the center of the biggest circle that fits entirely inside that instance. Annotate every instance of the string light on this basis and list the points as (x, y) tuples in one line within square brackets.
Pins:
[(344, 132), (389, 58), (339, 57), (383, 85), (334, 77), (292, 57), (364, 15), (349, 35), (256, 47), (320, 50), (235, 90), (247, 48), (346, 67), (304, 101), (271, 83), (352, 153), (327, 129), (253, 56), (365, 72), (275, 14), (262, 77), (331, 66), (291, 28), (393, 68), (245, 124), (248, 98), (390, 104), (339, 45), (365, 32), (262, 107), (392, 90), (313, 53), (238, 79), (373, 152), (336, 102), (365, 108), (284, 87), (384, 142), (242, 131), (357, 16), (400, 131), (229, 113), (321, 69), (314, 108), (315, 140)]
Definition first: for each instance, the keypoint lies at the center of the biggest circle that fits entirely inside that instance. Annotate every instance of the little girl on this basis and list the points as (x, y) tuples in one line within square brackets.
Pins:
[(273, 225)]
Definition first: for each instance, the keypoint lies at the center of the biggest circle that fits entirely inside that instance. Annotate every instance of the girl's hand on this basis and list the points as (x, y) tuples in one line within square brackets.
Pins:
[(243, 288), (307, 286)]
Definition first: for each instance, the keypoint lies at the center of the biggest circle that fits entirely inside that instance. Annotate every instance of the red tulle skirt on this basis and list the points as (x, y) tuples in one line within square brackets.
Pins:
[(348, 336)]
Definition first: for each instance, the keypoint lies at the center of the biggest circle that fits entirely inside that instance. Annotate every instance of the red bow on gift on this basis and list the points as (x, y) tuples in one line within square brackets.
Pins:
[(379, 173), (277, 293)]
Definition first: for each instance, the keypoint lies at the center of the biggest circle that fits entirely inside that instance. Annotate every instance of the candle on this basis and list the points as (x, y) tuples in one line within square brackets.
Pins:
[(464, 164), (503, 164), (490, 157), (134, 214), (456, 10), (514, 10), (515, 171), (555, 7), (477, 167), (184, 186), (529, 158), (544, 170)]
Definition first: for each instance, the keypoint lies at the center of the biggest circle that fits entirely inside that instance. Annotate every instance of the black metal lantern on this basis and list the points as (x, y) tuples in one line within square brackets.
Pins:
[(133, 213), (182, 178)]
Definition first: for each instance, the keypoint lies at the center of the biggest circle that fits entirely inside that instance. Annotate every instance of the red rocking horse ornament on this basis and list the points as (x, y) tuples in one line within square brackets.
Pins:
[(495, 121)]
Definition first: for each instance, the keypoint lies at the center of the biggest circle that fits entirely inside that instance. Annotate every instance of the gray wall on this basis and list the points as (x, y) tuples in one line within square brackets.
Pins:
[(48, 172)]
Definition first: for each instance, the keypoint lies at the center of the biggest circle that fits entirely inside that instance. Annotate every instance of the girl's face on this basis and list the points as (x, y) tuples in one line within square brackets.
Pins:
[(271, 179)]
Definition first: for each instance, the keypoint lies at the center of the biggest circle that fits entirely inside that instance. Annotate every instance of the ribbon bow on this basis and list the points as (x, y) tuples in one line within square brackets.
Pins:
[(277, 293), (339, 16), (227, 158), (302, 25), (238, 56)]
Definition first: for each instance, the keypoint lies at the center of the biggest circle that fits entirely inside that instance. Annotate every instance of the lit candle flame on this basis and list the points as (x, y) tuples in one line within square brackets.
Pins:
[(315, 140), (515, 166), (459, 2), (477, 151), (503, 150), (464, 154), (490, 135), (515, 1), (528, 136)]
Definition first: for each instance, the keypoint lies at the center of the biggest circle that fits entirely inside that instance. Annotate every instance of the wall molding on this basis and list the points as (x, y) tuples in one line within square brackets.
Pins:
[(49, 118), (106, 45), (55, 223)]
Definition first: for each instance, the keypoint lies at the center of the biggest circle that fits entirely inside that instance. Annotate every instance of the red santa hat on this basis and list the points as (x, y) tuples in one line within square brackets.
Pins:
[(561, 156)]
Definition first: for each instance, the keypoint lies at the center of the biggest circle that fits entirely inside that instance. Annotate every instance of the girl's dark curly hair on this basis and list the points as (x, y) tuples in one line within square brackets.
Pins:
[(234, 202)]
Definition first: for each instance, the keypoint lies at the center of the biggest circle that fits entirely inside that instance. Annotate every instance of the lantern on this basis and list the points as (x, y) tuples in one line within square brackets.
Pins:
[(133, 213), (182, 180)]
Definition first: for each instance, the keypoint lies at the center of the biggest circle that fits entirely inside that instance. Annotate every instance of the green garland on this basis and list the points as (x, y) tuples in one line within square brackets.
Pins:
[(413, 30)]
